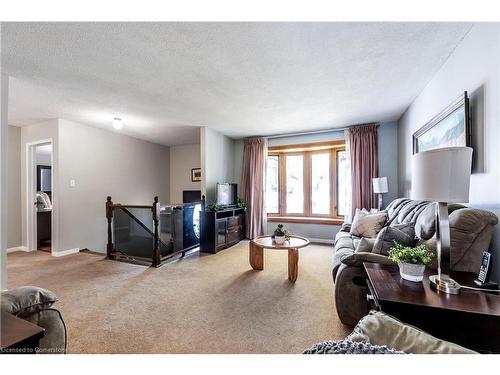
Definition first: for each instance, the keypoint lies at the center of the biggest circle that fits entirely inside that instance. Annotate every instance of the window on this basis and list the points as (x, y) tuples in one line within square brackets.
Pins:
[(308, 182), (294, 184), (320, 183), (272, 185)]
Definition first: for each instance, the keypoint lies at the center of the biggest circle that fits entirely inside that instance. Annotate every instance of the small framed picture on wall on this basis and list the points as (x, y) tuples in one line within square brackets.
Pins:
[(196, 174)]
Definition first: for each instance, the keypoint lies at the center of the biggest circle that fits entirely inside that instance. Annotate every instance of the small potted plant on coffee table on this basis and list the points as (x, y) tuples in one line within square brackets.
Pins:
[(411, 260), (280, 235)]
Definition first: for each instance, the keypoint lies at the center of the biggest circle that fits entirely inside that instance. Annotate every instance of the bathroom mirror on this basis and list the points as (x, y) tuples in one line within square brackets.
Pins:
[(44, 178)]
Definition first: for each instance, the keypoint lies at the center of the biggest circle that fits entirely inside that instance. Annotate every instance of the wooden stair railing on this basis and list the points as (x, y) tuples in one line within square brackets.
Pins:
[(111, 252)]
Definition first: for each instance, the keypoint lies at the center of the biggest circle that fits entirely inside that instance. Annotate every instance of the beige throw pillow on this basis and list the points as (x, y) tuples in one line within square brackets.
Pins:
[(367, 224)]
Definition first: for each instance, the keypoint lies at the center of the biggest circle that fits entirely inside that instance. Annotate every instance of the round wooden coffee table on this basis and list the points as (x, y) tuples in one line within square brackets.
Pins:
[(260, 243)]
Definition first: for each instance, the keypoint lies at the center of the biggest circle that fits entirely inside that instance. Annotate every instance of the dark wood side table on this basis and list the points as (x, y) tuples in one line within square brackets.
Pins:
[(470, 319), (19, 336)]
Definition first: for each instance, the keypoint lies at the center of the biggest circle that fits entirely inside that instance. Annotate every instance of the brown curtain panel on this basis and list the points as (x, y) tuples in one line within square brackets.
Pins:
[(364, 165), (252, 185)]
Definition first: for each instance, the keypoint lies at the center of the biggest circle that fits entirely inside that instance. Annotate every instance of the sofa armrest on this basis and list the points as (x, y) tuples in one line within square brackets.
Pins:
[(357, 259), (345, 227)]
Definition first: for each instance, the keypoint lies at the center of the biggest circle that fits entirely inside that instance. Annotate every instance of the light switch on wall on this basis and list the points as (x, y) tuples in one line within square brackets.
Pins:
[(72, 183)]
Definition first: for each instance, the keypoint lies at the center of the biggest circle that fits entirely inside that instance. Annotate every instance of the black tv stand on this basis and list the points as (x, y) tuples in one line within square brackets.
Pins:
[(221, 229)]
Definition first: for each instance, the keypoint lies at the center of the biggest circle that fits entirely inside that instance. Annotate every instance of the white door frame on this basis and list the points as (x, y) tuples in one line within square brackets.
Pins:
[(31, 191)]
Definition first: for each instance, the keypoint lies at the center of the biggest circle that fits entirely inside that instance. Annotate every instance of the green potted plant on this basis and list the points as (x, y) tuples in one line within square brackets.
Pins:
[(280, 235), (214, 207), (411, 260), (240, 203)]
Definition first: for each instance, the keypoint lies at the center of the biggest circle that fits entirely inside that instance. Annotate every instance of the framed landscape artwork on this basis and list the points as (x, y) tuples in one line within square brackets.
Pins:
[(450, 127), (196, 174)]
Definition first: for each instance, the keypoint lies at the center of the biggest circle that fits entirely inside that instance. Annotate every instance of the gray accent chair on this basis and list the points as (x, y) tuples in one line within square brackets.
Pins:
[(471, 233), (34, 305)]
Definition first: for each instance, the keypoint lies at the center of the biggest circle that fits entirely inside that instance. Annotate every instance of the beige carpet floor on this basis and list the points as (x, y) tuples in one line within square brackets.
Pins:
[(200, 304)]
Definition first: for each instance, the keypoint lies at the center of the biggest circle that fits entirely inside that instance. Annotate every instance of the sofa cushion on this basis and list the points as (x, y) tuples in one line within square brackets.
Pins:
[(410, 212), (425, 226), (379, 328), (365, 245), (404, 210), (368, 225), (27, 300), (403, 234), (340, 235)]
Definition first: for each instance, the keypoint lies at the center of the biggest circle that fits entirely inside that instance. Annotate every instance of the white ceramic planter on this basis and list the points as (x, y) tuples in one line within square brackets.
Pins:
[(411, 272), (280, 240)]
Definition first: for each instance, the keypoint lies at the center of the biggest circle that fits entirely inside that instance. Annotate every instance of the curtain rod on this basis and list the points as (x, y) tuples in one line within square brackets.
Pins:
[(318, 131)]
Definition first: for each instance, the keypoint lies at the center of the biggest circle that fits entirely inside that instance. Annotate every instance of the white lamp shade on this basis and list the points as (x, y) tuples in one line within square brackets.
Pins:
[(380, 185), (442, 175)]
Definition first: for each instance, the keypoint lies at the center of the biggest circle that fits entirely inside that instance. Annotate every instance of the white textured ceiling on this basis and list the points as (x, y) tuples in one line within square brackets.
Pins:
[(167, 79)]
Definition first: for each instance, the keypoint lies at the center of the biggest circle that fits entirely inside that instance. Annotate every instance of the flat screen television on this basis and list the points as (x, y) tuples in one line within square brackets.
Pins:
[(226, 194)]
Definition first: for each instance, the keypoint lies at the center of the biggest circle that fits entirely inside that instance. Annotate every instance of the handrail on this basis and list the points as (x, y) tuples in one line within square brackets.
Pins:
[(119, 205), (155, 208), (176, 205), (158, 245)]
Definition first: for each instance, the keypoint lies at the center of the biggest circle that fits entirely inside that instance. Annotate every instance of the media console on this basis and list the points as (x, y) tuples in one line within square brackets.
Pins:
[(221, 229)]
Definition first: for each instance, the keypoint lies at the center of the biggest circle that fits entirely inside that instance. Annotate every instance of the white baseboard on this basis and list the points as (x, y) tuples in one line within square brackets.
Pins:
[(18, 248), (65, 252), (321, 241)]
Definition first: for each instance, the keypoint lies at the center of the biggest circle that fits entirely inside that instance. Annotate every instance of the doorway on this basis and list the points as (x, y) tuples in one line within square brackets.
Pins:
[(40, 195)]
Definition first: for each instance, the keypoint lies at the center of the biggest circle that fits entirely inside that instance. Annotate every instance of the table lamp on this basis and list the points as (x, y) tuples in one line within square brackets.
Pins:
[(380, 187), (442, 175)]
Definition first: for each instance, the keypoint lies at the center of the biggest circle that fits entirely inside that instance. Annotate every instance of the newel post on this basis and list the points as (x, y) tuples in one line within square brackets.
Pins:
[(109, 217), (156, 238)]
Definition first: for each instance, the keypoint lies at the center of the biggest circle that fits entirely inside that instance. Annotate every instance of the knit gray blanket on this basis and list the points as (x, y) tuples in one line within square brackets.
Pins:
[(349, 347)]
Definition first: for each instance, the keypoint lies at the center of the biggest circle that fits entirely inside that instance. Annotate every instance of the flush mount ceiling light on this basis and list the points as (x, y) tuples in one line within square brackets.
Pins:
[(117, 123)]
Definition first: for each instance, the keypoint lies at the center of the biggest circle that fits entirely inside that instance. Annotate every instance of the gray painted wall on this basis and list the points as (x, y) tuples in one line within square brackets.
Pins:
[(217, 161), (238, 148), (14, 223), (474, 66), (182, 160), (104, 163)]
